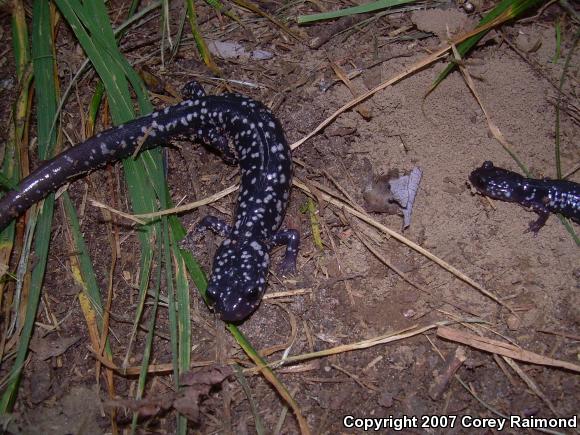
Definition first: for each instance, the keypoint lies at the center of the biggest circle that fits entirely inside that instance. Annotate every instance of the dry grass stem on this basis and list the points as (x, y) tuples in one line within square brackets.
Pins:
[(139, 218), (531, 384), (501, 348), (388, 337)]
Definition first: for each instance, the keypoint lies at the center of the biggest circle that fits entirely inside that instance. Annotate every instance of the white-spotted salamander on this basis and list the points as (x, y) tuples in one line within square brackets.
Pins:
[(543, 196), (244, 131)]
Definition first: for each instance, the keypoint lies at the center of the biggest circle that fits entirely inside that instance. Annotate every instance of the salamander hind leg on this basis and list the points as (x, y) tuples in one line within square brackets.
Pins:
[(290, 238)]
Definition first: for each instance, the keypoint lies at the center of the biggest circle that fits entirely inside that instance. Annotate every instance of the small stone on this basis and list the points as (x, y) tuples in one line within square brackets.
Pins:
[(513, 322)]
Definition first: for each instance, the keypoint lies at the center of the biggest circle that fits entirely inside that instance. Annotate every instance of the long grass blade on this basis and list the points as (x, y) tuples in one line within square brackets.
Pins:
[(144, 175), (87, 279), (46, 94), (361, 9), (18, 126), (558, 162), (183, 309), (150, 335), (270, 376), (198, 38), (504, 11)]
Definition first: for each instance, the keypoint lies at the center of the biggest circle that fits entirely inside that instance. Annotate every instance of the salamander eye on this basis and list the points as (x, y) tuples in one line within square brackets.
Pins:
[(211, 293), (252, 293)]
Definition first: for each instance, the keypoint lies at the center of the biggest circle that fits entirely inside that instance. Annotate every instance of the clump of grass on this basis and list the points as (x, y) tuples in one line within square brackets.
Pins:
[(148, 192)]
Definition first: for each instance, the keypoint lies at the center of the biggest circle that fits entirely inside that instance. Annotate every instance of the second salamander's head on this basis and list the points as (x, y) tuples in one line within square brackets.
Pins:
[(238, 279), (494, 182)]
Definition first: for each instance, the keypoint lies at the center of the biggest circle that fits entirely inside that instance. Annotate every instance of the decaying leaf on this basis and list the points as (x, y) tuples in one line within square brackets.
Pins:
[(387, 193), (195, 386), (45, 348)]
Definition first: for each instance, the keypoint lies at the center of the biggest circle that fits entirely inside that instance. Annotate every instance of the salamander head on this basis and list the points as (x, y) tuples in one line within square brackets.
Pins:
[(495, 182), (238, 279)]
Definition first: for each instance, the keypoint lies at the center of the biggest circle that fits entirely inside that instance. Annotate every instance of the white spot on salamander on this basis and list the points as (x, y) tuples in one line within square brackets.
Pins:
[(104, 149)]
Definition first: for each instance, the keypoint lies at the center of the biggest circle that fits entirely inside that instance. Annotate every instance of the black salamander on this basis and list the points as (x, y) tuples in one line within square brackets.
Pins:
[(542, 196), (244, 131)]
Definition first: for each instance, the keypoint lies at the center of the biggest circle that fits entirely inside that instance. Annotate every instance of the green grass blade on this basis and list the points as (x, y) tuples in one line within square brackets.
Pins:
[(80, 248), (558, 51), (570, 229), (44, 66), (165, 30), (362, 9), (94, 107), (198, 38), (84, 66), (196, 273), (144, 175), (7, 180), (309, 208), (20, 38), (109, 72), (268, 374), (504, 10), (253, 406), (183, 311), (559, 102), (18, 126), (173, 321), (149, 340), (558, 161)]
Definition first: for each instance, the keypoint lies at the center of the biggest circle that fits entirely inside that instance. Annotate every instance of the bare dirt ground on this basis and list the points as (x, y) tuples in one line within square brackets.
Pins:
[(349, 295)]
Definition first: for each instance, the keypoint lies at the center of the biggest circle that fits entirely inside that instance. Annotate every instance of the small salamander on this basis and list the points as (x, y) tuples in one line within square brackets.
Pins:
[(245, 132), (543, 196)]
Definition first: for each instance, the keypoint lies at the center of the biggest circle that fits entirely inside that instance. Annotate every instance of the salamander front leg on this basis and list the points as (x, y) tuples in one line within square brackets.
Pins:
[(192, 90), (213, 136), (215, 224), (290, 238), (537, 225), (220, 143)]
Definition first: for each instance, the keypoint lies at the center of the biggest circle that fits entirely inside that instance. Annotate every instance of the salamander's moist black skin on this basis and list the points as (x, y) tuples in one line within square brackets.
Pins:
[(244, 131), (543, 196)]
